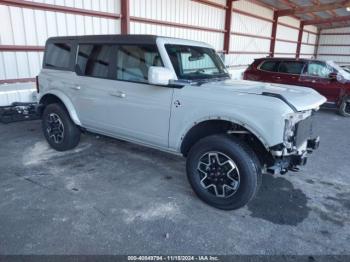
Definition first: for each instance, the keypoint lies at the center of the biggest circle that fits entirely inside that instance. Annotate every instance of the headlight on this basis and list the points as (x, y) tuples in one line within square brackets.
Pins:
[(290, 126), (288, 135)]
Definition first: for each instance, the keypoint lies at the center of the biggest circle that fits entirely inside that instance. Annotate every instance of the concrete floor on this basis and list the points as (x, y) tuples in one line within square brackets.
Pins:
[(112, 197)]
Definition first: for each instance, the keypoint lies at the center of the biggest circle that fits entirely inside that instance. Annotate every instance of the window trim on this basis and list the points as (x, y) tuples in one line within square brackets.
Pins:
[(166, 45), (71, 56), (113, 65), (110, 67), (318, 77), (261, 64), (305, 63), (281, 61)]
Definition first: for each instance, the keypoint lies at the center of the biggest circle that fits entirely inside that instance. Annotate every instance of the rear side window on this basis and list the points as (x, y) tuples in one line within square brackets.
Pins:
[(58, 55), (94, 60), (270, 66), (291, 67)]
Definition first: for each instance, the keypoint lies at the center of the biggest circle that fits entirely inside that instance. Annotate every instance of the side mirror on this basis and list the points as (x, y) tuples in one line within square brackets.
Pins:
[(159, 75), (333, 76)]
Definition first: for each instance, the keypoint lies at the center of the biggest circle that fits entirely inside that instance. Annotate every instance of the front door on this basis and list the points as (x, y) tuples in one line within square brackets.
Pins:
[(316, 76)]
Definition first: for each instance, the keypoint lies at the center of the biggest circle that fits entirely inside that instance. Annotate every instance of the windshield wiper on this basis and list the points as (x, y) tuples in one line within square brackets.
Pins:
[(212, 79)]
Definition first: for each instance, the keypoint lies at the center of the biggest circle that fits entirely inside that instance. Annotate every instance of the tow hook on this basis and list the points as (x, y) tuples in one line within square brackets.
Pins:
[(283, 171), (313, 144), (276, 170)]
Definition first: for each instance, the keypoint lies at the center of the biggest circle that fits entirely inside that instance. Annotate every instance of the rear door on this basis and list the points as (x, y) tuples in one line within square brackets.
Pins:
[(316, 76), (289, 72), (93, 85), (267, 70)]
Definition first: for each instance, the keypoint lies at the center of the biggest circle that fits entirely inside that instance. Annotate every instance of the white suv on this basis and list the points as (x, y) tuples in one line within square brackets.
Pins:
[(176, 95)]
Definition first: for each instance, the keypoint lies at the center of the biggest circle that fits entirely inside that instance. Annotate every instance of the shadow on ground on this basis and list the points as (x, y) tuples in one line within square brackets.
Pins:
[(279, 202)]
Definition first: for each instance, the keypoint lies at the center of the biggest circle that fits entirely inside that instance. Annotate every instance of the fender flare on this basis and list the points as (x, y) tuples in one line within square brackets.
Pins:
[(66, 102), (228, 119)]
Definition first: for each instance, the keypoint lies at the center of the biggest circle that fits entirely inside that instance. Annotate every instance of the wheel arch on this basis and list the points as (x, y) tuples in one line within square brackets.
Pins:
[(59, 97), (209, 127), (342, 108)]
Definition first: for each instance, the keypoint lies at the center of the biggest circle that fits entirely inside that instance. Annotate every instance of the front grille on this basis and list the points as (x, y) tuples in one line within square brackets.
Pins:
[(303, 131)]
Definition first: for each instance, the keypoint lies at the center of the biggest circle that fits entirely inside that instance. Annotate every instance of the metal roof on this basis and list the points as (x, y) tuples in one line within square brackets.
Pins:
[(321, 13)]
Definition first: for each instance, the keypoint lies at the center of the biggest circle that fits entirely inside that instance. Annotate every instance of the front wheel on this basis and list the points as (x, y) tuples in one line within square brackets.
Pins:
[(344, 108), (223, 172), (59, 129)]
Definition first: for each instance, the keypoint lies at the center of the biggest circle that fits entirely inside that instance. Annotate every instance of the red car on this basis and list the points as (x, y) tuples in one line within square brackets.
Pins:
[(327, 78)]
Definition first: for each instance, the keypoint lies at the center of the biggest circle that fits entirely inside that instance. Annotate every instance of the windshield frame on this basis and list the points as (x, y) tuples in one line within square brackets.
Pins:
[(217, 61), (339, 70)]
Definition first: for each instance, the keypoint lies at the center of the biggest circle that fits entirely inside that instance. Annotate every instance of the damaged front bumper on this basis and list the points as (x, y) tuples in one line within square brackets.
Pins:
[(292, 160)]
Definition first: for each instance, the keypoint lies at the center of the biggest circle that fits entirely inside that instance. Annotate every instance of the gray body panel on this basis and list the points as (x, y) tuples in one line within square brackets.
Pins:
[(160, 116)]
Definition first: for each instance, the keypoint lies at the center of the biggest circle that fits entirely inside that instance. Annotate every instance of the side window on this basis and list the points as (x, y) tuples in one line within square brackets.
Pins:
[(270, 66), (318, 70), (94, 60), (291, 67), (58, 55), (134, 61)]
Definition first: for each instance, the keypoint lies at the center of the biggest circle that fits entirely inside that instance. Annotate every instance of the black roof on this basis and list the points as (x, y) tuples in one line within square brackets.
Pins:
[(122, 39)]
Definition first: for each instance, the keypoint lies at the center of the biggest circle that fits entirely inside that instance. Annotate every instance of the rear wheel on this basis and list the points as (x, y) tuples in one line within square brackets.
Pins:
[(59, 129), (223, 172), (344, 108)]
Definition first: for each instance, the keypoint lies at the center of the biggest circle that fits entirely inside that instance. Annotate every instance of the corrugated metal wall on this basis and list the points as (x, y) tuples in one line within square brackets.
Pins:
[(24, 30), (178, 12), (23, 27), (287, 36), (309, 42), (251, 33), (334, 44)]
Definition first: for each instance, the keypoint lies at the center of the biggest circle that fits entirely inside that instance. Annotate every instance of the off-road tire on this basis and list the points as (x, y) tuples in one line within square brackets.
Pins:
[(246, 161), (71, 134)]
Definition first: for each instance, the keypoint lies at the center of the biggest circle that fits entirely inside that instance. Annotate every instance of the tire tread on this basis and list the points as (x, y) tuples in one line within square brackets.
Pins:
[(72, 131), (244, 153)]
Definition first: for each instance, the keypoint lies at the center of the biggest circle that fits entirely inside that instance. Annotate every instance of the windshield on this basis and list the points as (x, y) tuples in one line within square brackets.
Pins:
[(196, 63), (344, 74)]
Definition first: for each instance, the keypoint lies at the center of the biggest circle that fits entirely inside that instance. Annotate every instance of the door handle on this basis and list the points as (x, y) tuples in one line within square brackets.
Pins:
[(76, 87), (118, 94), (277, 77)]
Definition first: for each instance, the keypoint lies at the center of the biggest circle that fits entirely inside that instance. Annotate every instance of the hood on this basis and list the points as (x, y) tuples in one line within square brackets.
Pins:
[(298, 97)]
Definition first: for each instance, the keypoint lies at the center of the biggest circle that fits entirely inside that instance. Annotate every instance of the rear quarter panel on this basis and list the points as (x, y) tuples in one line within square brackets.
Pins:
[(57, 83)]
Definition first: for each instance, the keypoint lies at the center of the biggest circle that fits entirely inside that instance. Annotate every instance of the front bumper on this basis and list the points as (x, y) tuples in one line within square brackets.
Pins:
[(293, 162)]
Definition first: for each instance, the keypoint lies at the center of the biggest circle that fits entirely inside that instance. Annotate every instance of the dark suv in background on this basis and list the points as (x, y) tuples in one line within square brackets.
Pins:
[(326, 77)]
